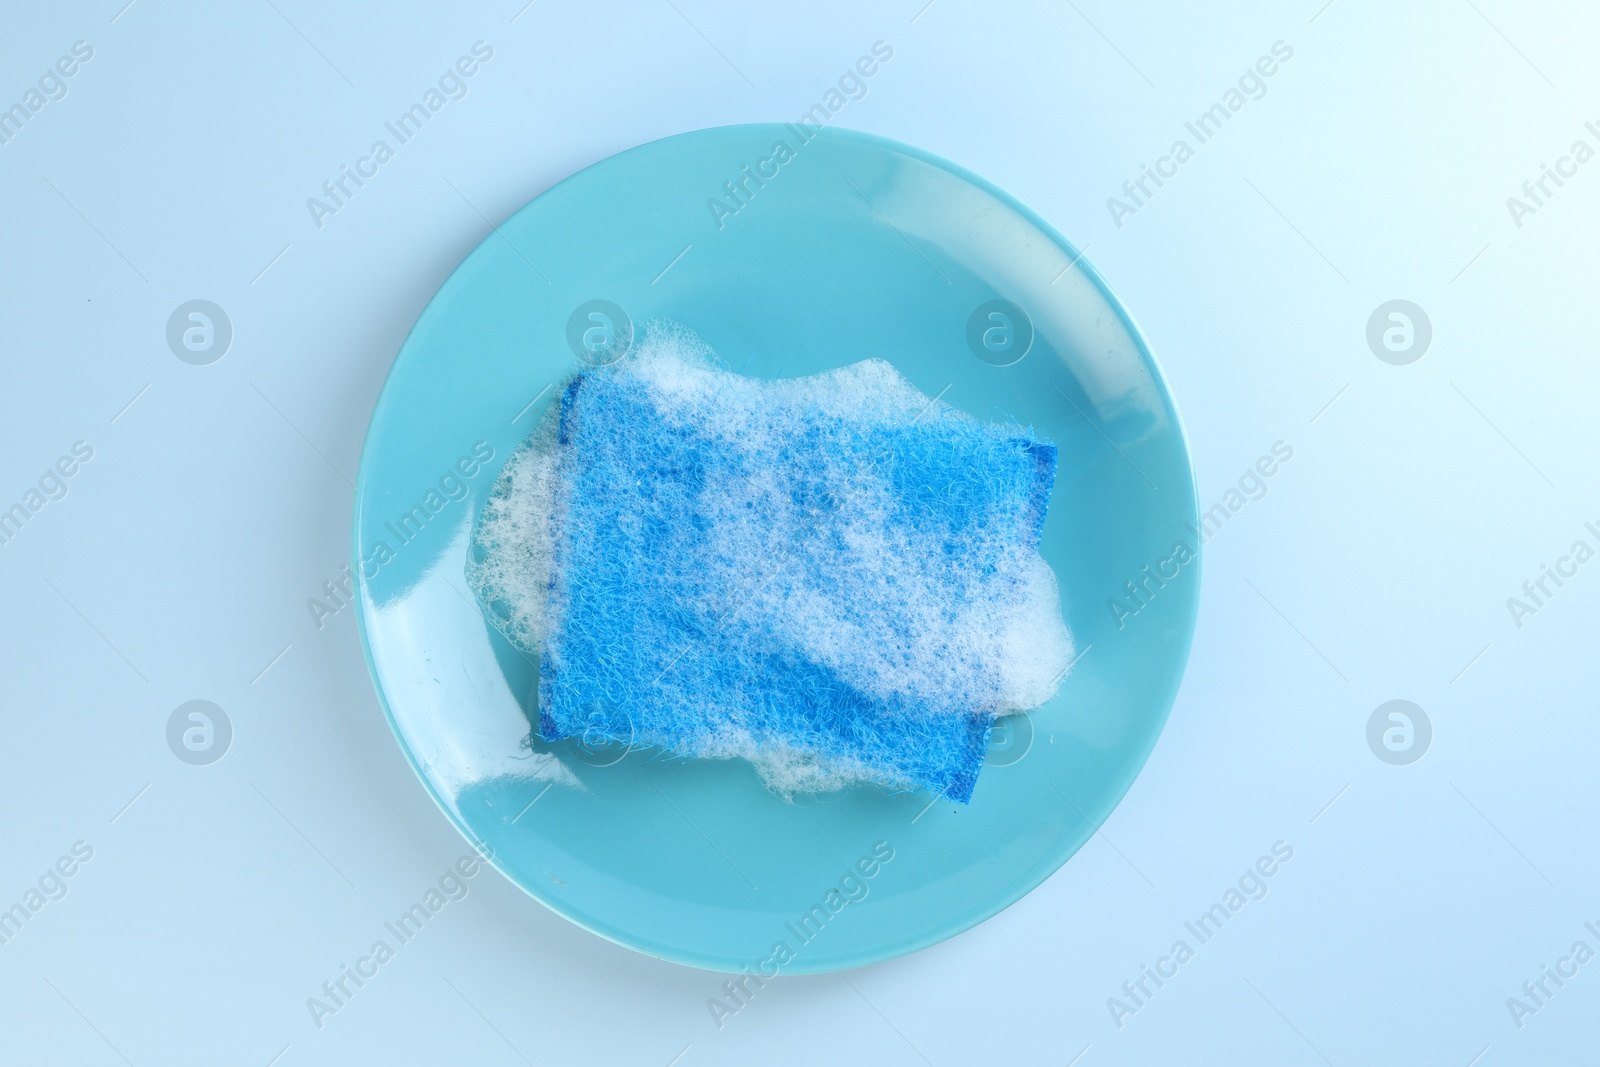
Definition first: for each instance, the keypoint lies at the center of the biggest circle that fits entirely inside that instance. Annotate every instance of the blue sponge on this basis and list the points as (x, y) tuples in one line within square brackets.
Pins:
[(832, 577)]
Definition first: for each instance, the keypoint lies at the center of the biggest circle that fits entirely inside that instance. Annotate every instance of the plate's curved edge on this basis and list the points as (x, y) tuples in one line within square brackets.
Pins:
[(1044, 870)]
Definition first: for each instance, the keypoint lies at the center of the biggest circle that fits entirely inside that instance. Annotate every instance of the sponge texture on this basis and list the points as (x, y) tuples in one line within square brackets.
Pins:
[(833, 577)]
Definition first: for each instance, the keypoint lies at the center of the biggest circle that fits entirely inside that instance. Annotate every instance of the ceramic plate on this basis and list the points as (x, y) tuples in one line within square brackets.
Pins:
[(789, 251)]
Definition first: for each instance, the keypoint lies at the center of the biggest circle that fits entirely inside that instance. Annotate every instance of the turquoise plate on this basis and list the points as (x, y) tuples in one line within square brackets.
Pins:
[(789, 252)]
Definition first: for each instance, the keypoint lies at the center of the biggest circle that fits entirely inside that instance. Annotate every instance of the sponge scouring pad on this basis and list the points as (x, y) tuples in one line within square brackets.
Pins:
[(833, 576)]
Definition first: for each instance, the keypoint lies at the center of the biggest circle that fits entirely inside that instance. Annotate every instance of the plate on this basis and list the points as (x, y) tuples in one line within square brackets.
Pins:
[(789, 250)]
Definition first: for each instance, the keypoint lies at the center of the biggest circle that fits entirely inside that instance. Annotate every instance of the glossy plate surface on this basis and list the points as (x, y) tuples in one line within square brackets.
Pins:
[(853, 247)]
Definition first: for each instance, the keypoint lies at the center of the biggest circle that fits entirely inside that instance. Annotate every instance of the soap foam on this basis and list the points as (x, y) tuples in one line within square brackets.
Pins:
[(832, 577), (511, 561)]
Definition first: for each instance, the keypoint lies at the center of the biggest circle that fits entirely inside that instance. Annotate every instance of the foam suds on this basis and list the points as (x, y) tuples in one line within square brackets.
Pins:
[(833, 577), (514, 541)]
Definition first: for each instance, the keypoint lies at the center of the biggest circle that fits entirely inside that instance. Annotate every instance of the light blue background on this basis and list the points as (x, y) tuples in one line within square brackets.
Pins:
[(1376, 167)]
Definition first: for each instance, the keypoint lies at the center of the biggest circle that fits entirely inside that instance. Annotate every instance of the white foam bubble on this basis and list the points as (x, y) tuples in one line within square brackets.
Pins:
[(513, 575)]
